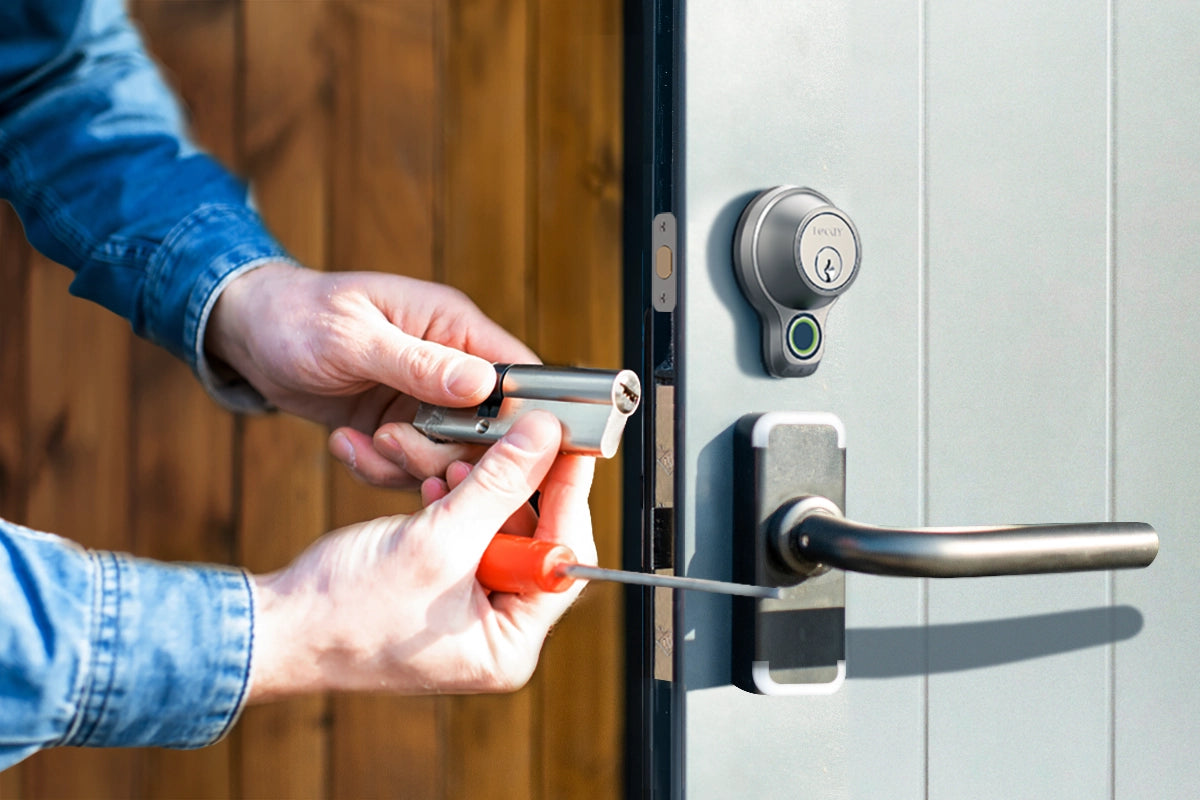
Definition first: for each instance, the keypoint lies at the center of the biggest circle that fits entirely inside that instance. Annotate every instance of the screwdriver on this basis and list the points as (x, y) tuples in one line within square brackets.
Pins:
[(521, 565)]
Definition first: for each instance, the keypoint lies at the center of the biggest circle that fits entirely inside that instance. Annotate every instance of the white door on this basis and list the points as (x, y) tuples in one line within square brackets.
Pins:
[(1020, 346)]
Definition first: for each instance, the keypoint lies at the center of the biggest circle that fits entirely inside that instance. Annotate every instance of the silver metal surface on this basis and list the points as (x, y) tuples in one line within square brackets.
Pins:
[(621, 389), (664, 249), (592, 405), (794, 253), (662, 544), (810, 532), (1007, 358), (669, 581)]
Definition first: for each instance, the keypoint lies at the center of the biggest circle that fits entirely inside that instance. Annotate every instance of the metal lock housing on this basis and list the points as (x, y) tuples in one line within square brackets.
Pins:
[(794, 253)]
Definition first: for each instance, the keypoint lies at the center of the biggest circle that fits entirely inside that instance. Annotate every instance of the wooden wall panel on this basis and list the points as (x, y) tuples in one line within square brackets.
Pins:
[(383, 156), (284, 747), (476, 142), (579, 321), (183, 443), (15, 256), (79, 476), (484, 230)]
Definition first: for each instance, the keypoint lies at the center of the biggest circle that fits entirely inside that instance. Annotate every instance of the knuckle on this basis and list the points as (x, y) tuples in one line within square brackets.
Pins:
[(421, 364), (456, 297), (422, 464), (501, 477)]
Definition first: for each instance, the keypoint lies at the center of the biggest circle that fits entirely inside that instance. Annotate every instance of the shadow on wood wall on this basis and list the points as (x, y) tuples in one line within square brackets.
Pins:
[(474, 142)]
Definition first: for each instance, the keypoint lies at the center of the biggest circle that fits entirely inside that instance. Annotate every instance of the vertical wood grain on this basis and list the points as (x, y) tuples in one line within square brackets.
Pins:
[(475, 142), (383, 156), (182, 441), (283, 747), (14, 321), (578, 84), (79, 469), (484, 230), (484, 57)]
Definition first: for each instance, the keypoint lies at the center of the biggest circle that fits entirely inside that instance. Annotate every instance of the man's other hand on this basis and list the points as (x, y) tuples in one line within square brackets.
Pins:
[(393, 604), (357, 351)]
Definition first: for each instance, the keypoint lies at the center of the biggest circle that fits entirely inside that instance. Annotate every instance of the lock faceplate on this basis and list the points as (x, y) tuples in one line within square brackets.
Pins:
[(794, 253), (794, 644)]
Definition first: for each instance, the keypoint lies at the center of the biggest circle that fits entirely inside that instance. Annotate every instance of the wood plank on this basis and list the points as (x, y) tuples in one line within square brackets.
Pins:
[(15, 255), (484, 55), (484, 229), (183, 443), (283, 747), (578, 83), (79, 471), (14, 323), (383, 152)]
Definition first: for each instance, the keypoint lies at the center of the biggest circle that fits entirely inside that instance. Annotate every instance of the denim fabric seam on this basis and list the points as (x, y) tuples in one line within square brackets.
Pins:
[(158, 268), (240, 704), (218, 262), (81, 690), (200, 306), (101, 669)]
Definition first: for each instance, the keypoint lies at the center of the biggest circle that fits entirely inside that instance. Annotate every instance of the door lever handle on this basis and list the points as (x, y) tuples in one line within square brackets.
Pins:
[(790, 531), (810, 534)]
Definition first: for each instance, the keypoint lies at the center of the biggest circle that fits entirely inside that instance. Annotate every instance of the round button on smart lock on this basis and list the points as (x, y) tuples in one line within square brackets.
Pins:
[(794, 253), (803, 336)]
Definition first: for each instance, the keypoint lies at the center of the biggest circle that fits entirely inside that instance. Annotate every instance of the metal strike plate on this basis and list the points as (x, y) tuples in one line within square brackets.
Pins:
[(795, 644), (592, 405)]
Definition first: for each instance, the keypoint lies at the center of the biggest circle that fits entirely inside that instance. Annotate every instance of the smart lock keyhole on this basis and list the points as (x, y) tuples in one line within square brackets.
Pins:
[(794, 253)]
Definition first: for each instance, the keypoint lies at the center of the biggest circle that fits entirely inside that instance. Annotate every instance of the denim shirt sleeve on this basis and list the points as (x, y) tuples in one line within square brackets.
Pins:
[(100, 649), (95, 158)]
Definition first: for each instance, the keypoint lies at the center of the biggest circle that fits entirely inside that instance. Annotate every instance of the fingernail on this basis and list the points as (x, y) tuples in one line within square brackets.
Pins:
[(387, 440), (342, 450), (469, 377)]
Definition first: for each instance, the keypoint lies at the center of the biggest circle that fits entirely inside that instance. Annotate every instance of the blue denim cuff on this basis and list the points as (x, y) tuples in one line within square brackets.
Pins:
[(169, 660), (195, 259)]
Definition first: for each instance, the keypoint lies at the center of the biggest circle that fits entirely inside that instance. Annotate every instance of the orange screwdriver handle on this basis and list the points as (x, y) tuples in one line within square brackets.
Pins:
[(521, 565)]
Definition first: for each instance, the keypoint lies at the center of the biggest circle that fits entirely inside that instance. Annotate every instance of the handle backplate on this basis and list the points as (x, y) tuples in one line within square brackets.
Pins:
[(790, 532), (794, 644)]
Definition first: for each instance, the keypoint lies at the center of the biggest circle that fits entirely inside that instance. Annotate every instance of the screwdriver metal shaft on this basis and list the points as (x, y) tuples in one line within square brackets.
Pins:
[(668, 581), (520, 564)]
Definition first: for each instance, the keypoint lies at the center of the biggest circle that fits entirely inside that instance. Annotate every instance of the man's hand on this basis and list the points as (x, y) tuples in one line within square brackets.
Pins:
[(393, 604), (357, 351)]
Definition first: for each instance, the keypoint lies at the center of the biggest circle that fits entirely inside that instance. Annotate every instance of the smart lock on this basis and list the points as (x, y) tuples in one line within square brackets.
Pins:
[(794, 253)]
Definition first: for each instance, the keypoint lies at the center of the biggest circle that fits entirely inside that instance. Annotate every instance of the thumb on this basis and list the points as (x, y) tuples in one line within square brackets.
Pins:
[(430, 372), (504, 479)]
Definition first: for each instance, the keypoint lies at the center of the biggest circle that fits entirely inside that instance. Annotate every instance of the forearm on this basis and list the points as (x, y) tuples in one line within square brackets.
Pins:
[(101, 649), (95, 157)]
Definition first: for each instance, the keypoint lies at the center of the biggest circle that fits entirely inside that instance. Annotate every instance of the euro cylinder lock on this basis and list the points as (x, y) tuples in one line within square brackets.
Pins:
[(794, 253), (592, 405)]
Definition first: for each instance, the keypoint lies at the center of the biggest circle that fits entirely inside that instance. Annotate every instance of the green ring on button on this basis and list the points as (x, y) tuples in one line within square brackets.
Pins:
[(803, 336)]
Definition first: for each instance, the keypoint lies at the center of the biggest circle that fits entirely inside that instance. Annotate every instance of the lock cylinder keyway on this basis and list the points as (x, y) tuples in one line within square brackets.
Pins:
[(593, 406), (794, 253)]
